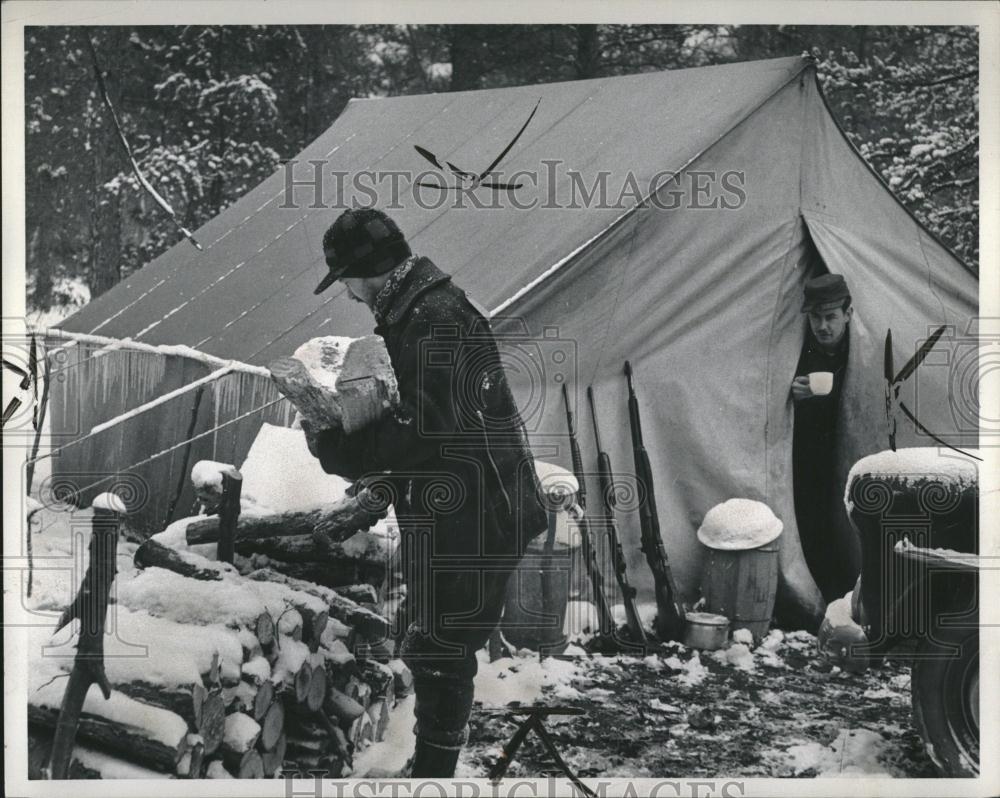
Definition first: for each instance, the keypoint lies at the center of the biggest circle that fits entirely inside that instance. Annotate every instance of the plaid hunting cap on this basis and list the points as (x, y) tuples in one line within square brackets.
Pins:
[(827, 289), (362, 243)]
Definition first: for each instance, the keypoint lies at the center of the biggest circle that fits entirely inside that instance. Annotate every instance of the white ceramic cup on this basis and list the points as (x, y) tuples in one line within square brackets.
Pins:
[(821, 382)]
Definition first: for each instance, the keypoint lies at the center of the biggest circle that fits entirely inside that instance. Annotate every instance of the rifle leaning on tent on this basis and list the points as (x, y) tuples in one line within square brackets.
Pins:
[(607, 484), (669, 612), (579, 512)]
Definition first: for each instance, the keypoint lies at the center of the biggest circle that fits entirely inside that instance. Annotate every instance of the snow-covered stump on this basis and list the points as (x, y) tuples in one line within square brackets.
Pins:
[(338, 382)]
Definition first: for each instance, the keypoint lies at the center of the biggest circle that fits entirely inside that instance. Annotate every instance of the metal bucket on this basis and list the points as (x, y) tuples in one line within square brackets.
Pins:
[(705, 630), (535, 608)]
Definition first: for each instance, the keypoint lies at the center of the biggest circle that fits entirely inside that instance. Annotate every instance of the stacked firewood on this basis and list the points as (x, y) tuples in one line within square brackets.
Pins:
[(280, 662)]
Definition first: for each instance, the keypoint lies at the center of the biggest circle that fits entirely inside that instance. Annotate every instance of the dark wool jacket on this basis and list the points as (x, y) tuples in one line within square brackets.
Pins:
[(454, 454)]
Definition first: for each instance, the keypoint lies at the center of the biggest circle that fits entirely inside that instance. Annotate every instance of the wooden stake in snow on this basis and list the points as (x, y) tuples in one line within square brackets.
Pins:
[(90, 607), (229, 512)]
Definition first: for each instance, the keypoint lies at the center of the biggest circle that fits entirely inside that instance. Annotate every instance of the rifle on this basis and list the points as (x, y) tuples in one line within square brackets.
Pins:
[(579, 512), (670, 613), (614, 542)]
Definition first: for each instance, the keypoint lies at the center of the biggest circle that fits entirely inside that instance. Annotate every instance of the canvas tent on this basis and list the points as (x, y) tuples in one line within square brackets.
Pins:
[(703, 299)]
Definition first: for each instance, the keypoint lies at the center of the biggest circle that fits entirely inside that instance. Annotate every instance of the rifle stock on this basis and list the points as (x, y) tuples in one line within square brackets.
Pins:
[(670, 613), (607, 484), (606, 619)]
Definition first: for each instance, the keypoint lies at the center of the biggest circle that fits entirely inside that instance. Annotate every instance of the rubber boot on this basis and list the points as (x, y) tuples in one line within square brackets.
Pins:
[(433, 762)]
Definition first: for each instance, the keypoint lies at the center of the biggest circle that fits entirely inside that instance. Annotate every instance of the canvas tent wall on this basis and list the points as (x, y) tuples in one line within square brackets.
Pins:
[(704, 300)]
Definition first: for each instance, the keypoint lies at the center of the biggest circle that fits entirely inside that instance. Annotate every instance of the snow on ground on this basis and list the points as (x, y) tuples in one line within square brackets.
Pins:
[(776, 710)]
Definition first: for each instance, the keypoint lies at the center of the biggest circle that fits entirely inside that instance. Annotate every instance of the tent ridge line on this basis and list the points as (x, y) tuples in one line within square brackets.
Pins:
[(806, 63)]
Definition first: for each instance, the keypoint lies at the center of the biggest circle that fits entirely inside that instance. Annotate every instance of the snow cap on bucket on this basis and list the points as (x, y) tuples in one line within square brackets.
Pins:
[(739, 524)]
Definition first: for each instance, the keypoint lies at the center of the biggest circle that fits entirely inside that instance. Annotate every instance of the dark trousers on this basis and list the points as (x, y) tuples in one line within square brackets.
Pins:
[(440, 645)]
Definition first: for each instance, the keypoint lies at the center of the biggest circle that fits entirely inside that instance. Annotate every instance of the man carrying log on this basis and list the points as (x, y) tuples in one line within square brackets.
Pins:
[(454, 456)]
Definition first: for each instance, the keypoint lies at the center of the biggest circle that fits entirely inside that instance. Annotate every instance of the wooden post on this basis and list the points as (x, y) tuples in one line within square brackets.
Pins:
[(90, 607), (229, 513)]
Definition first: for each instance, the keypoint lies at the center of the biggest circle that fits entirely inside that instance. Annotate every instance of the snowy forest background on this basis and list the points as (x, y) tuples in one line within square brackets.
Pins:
[(212, 111)]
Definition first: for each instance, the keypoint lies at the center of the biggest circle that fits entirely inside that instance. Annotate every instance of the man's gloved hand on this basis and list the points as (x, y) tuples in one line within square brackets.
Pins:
[(801, 389)]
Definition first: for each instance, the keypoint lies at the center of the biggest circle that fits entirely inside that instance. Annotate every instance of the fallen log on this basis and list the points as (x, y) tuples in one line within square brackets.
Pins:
[(337, 521), (86, 763), (152, 553), (362, 547), (150, 736)]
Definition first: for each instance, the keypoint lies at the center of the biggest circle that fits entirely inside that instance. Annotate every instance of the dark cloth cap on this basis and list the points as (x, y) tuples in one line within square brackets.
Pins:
[(362, 242), (827, 289)]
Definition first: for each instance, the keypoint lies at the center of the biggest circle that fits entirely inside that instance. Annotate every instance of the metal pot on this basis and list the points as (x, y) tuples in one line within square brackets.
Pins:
[(706, 631)]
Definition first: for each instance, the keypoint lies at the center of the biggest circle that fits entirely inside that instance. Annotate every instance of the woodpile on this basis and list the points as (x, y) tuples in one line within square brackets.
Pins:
[(251, 672)]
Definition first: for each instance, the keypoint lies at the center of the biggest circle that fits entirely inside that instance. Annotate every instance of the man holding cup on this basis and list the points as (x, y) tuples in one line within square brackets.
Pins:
[(816, 391)]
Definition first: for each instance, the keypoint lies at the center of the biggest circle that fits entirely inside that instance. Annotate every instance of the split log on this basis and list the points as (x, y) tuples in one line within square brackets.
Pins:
[(333, 574), (241, 735), (248, 765), (217, 770), (244, 695), (379, 713), (316, 692), (272, 759), (264, 629), (90, 607), (211, 723), (335, 735), (150, 736), (362, 594), (263, 700), (337, 521), (272, 726), (380, 678), (402, 678), (302, 679), (190, 766), (369, 624), (152, 553), (338, 382), (341, 706), (255, 671)]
